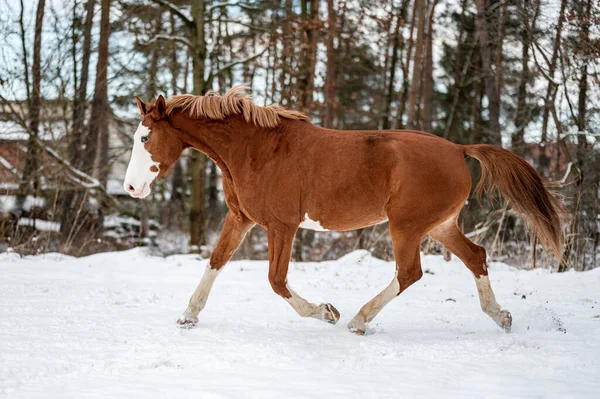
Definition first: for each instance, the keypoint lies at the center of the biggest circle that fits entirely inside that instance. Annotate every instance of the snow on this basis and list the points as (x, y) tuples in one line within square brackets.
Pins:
[(104, 326), (39, 224), (7, 203)]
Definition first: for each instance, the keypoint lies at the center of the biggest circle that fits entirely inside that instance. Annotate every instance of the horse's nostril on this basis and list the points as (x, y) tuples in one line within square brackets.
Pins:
[(130, 188)]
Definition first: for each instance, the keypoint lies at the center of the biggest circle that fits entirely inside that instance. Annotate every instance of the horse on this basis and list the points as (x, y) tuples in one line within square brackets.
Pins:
[(283, 173)]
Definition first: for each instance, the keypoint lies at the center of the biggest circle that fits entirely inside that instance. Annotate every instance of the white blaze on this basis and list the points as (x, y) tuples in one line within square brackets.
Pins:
[(138, 173), (310, 224)]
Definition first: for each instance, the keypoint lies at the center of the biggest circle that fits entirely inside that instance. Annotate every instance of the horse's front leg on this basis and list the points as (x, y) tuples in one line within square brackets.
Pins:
[(234, 229), (280, 240)]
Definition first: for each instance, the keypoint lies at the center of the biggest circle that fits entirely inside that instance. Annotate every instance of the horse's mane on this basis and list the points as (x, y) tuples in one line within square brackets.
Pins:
[(236, 101)]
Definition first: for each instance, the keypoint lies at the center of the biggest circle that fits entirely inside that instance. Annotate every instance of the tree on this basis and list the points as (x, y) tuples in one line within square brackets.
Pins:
[(398, 43), (428, 72), (95, 159), (330, 78), (416, 81), (493, 130), (551, 89), (29, 178), (523, 111), (77, 133)]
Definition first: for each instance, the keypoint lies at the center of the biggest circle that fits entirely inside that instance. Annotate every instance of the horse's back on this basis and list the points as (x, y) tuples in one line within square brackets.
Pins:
[(352, 177)]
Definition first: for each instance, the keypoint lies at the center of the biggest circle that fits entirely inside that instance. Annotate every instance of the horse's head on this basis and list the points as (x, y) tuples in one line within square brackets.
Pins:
[(156, 147)]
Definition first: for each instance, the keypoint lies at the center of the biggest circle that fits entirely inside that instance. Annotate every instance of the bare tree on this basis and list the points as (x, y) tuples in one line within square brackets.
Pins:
[(552, 88), (96, 144), (415, 84), (398, 43), (428, 72), (493, 130), (29, 178), (330, 78), (77, 134)]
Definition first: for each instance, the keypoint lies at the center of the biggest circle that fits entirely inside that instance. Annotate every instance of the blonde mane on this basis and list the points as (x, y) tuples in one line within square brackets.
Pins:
[(236, 101)]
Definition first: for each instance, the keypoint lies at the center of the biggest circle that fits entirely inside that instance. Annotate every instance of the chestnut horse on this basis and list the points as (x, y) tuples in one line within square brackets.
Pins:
[(283, 173)]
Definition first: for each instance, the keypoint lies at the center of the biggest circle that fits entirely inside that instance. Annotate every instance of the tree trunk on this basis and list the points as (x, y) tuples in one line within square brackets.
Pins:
[(330, 78), (397, 44), (310, 16), (522, 112), (428, 73), (575, 231), (24, 49), (544, 161), (151, 92), (177, 177), (71, 198), (406, 68), (493, 128), (198, 160), (95, 161), (99, 113), (29, 179), (500, 49), (415, 84)]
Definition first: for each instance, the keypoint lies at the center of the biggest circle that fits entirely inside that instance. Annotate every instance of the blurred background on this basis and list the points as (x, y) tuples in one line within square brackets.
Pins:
[(521, 74)]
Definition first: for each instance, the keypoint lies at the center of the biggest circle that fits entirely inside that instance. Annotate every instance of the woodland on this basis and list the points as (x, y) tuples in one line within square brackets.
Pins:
[(524, 75)]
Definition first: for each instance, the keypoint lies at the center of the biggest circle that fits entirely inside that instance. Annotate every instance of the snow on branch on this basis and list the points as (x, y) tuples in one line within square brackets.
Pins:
[(169, 38), (76, 175), (583, 133), (8, 166), (232, 64), (232, 3), (567, 173), (247, 25), (187, 20), (477, 232)]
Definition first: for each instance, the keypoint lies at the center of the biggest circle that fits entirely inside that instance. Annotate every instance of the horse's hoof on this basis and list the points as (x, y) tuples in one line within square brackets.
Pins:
[(187, 320), (329, 313), (357, 331), (504, 320), (357, 326)]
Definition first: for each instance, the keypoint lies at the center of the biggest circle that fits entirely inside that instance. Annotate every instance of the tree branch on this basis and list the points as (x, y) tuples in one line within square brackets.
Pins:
[(232, 3), (169, 38), (8, 166), (186, 19), (212, 75), (247, 25), (77, 176)]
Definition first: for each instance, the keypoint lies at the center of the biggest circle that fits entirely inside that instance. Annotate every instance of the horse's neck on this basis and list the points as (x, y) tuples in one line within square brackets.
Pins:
[(218, 139)]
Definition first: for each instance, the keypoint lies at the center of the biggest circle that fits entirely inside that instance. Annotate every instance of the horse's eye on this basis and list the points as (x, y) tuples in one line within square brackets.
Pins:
[(145, 138)]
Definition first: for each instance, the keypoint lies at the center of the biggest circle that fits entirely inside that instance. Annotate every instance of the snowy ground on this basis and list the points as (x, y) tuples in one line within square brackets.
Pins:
[(104, 326)]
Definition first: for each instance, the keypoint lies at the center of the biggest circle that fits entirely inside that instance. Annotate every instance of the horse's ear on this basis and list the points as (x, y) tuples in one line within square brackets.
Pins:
[(160, 107), (142, 106)]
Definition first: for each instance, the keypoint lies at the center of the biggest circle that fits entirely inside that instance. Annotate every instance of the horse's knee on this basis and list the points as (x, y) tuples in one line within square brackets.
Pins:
[(279, 286)]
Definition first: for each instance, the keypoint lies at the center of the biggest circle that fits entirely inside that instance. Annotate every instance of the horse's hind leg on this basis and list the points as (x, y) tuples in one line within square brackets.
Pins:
[(474, 257), (408, 271)]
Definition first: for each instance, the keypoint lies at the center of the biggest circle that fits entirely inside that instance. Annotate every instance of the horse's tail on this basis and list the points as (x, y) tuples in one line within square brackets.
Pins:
[(524, 189)]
